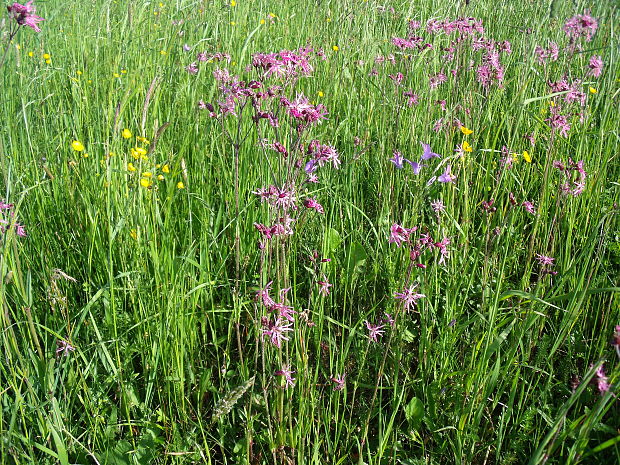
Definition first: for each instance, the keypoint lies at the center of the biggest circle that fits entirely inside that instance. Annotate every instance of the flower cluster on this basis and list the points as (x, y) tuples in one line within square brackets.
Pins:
[(25, 15), (580, 26), (574, 177), (545, 55), (7, 222)]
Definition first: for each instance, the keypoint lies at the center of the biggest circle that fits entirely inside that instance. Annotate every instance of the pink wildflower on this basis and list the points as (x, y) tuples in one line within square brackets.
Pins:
[(529, 207), (286, 372), (339, 381), (324, 287), (374, 331), (602, 381), (595, 65), (24, 15), (263, 295), (192, 68), (409, 297), (63, 348), (311, 203), (275, 330), (544, 260), (398, 234), (580, 26)]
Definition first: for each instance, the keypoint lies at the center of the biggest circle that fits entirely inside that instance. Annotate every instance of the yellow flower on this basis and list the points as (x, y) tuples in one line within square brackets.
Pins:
[(163, 52), (30, 54), (466, 147), (335, 48), (272, 15), (46, 56), (130, 167), (593, 90), (166, 169), (160, 177), (147, 174), (138, 152), (116, 75), (85, 155), (48, 62), (262, 21), (320, 94), (466, 131), (145, 182), (328, 20), (77, 146), (78, 72), (232, 23), (134, 234), (142, 139), (126, 133), (233, 3), (526, 156), (180, 185)]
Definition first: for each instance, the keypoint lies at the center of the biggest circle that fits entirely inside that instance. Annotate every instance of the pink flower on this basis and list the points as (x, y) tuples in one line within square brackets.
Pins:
[(438, 206), (435, 81), (602, 380), (409, 297), (192, 68), (398, 234), (544, 260), (302, 109), (275, 330), (339, 381), (552, 53), (374, 331), (581, 26), (63, 348), (324, 287), (263, 295), (397, 78), (529, 207), (558, 121), (286, 372), (412, 99), (24, 15), (19, 230), (595, 65), (311, 203)]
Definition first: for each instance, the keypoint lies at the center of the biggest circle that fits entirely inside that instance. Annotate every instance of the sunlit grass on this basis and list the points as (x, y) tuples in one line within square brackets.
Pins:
[(141, 251)]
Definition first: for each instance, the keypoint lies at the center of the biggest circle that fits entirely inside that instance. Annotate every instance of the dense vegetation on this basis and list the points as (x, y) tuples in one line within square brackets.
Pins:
[(309, 232)]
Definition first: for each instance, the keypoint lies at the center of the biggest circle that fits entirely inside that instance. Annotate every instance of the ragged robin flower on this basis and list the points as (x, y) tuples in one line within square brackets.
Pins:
[(25, 15)]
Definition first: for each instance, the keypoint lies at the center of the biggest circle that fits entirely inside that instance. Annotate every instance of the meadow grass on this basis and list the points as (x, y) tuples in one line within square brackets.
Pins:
[(152, 282)]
